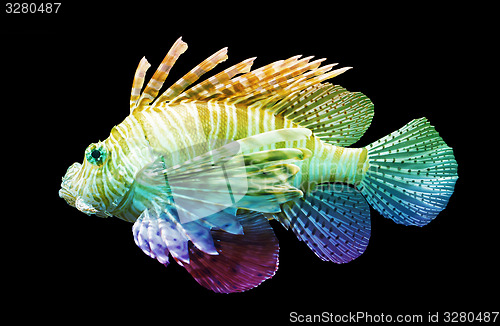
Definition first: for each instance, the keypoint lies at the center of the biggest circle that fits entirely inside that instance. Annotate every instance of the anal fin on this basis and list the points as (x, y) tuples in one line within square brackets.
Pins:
[(333, 220)]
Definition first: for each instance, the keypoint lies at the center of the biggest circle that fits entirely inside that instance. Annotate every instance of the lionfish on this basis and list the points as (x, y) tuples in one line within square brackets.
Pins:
[(201, 170)]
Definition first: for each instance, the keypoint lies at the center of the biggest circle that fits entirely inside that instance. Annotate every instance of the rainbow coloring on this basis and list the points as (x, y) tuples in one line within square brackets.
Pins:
[(200, 170)]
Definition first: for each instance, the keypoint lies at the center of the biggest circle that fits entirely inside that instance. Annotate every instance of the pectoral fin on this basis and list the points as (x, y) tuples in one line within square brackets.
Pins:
[(226, 178), (236, 256), (244, 260)]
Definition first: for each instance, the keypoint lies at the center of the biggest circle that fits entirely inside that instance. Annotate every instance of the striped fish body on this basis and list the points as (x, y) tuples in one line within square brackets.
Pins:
[(201, 169), (177, 129)]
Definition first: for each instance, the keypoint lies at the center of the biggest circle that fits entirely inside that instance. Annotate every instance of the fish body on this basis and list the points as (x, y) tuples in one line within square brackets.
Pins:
[(194, 123), (200, 170)]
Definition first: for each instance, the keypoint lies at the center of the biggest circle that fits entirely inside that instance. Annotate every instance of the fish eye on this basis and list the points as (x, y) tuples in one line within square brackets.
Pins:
[(96, 153)]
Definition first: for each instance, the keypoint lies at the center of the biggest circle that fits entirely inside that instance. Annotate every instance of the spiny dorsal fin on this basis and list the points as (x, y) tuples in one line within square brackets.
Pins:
[(267, 84), (212, 84), (192, 76), (264, 86), (156, 82), (292, 88)]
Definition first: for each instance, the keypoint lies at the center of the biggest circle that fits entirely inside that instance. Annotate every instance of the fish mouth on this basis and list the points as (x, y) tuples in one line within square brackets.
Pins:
[(67, 195), (80, 202), (77, 201), (66, 191)]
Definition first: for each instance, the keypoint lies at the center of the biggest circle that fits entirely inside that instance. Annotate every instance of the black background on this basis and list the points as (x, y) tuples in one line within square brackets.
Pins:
[(67, 82)]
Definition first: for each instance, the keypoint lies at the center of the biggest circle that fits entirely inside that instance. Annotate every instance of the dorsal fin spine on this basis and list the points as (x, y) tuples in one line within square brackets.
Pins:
[(138, 82), (156, 82), (193, 75)]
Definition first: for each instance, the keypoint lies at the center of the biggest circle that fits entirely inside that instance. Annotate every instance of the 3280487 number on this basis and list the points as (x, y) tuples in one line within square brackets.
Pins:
[(462, 317), (32, 8)]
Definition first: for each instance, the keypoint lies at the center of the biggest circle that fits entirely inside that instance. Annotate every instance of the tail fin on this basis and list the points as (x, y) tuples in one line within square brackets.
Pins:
[(411, 174)]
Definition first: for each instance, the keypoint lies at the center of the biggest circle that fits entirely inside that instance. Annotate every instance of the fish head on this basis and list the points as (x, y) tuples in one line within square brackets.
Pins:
[(97, 185), (80, 184)]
